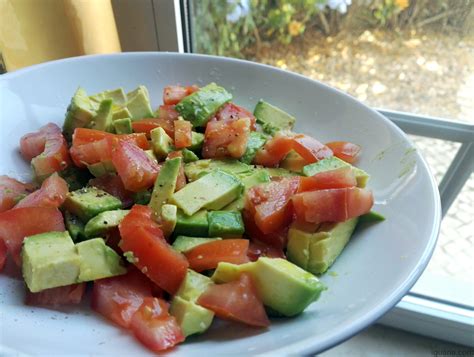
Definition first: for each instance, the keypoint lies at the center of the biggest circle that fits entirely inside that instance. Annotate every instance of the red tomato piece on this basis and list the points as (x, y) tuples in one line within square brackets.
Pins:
[(259, 249), (63, 295), (147, 125), (174, 94), (155, 258), (3, 254), (332, 205), (232, 112), (91, 153), (277, 239), (345, 150), (135, 168), (207, 256), (113, 184), (182, 134), (339, 178), (167, 112), (181, 179), (12, 191), (226, 138), (153, 326), (16, 224), (237, 300), (83, 136), (52, 193), (310, 148)]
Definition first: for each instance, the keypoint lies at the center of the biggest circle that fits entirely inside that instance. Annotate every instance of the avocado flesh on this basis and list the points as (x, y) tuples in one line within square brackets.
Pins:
[(88, 202), (283, 286), (197, 169), (184, 244), (103, 222), (123, 126), (256, 141), (225, 224), (79, 113), (74, 226), (273, 119), (103, 119), (75, 178), (189, 156), (200, 106), (196, 225), (255, 178), (197, 140), (169, 217), (161, 143), (117, 95), (293, 162), (279, 172), (121, 114), (138, 104), (101, 168)]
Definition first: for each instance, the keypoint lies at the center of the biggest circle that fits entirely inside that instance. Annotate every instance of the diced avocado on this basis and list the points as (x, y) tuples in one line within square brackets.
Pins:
[(316, 252), (117, 95), (88, 202), (255, 143), (142, 197), (121, 113), (196, 225), (100, 224), (49, 260), (273, 119), (195, 170), (165, 185), (193, 285), (279, 172), (255, 178), (200, 106), (162, 144), (169, 217), (197, 140), (213, 191), (225, 224), (332, 163), (103, 119), (371, 217), (138, 103), (283, 286), (189, 156), (98, 261), (293, 162), (184, 244), (101, 168), (75, 178), (79, 113), (151, 155), (123, 126), (74, 226)]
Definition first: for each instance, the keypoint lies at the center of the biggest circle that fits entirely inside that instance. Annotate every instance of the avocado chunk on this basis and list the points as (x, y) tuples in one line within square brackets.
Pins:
[(123, 126), (332, 163), (213, 191), (196, 225), (101, 168), (283, 286), (98, 261), (197, 140), (142, 197), (116, 95), (88, 202), (189, 156), (138, 103), (195, 170), (371, 217), (121, 113), (184, 244), (256, 141), (103, 119), (316, 252), (74, 226), (75, 178), (165, 185), (49, 260), (79, 113), (169, 217), (255, 178), (200, 106), (103, 222), (161, 142), (272, 119), (279, 172), (293, 162), (225, 224)]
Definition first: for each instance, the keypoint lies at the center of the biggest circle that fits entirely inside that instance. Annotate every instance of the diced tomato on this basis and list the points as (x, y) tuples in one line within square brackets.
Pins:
[(155, 258), (310, 148), (16, 224), (147, 125), (47, 150), (113, 184), (91, 153), (237, 300), (52, 193), (182, 134), (153, 326), (83, 136), (174, 94), (207, 256), (181, 179), (259, 249), (167, 112), (3, 254), (232, 112), (277, 239), (63, 295), (332, 205), (134, 167), (345, 150), (12, 191), (339, 178), (226, 138)]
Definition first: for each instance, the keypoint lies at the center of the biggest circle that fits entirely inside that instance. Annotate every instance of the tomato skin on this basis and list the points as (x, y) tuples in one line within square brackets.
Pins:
[(16, 224), (207, 256), (181, 179), (147, 125), (82, 136), (339, 178), (345, 150), (277, 240), (259, 249), (155, 257), (226, 138), (237, 300), (174, 94), (52, 193), (182, 134), (310, 148), (11, 191), (113, 184), (3, 254), (63, 295), (153, 326), (232, 112), (332, 205)]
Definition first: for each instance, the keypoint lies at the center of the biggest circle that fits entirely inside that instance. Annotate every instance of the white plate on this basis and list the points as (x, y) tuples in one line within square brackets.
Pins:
[(376, 270)]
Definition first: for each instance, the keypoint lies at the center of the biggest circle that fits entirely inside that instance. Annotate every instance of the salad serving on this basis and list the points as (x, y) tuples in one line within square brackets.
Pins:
[(200, 209)]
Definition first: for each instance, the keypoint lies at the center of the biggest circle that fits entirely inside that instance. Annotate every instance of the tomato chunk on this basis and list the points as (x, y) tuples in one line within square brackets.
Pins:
[(237, 300), (332, 205), (207, 256), (174, 94), (83, 136), (277, 240), (345, 150), (259, 249), (3, 254), (155, 258), (226, 138), (232, 112), (339, 178), (153, 326), (52, 193), (181, 179), (12, 191), (63, 295), (147, 125), (113, 184), (182, 134)]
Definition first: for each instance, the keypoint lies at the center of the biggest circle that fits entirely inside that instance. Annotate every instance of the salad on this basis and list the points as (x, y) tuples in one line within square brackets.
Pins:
[(198, 210)]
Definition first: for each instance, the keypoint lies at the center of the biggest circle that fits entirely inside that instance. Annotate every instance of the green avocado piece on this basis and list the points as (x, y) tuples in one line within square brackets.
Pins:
[(169, 217), (255, 178), (193, 285), (225, 224), (189, 156), (316, 252), (103, 119), (142, 197), (256, 141), (75, 178), (279, 172), (121, 113), (98, 261), (196, 169), (272, 119), (197, 140), (49, 260), (212, 191), (196, 225), (371, 217), (104, 221), (332, 163), (117, 95), (74, 226), (184, 244), (79, 113), (123, 126), (138, 103), (283, 286), (101, 168), (200, 106), (293, 162), (161, 142), (88, 202)]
